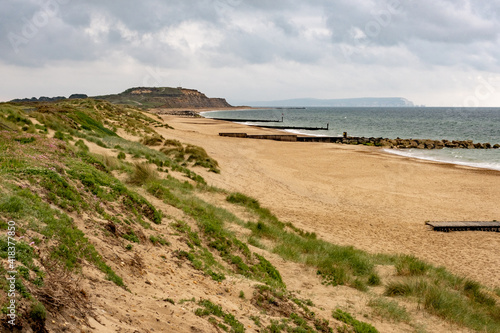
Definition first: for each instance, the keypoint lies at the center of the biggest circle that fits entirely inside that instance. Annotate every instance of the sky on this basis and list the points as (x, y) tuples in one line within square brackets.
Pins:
[(432, 52)]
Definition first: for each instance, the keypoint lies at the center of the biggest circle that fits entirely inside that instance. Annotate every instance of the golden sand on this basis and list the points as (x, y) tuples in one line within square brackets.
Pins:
[(357, 195)]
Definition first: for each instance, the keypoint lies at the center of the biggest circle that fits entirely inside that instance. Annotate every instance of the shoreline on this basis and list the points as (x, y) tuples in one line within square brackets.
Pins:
[(406, 152), (357, 195)]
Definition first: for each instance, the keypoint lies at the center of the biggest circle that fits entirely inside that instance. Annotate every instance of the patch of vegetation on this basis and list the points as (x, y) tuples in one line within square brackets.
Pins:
[(358, 326), (131, 237), (337, 265), (279, 302), (256, 321), (143, 173), (152, 140), (467, 306), (434, 287), (374, 279), (211, 223), (389, 310), (195, 155), (410, 266), (192, 238), (203, 261), (38, 312), (158, 240), (81, 145), (209, 308)]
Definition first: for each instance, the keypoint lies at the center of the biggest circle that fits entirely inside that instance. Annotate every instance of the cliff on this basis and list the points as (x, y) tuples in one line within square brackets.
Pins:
[(165, 97)]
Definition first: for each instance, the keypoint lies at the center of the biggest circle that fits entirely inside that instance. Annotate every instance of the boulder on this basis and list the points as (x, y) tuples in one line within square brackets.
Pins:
[(438, 144)]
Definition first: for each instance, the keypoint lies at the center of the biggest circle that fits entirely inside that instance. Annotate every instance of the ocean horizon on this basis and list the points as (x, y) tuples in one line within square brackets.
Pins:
[(436, 123)]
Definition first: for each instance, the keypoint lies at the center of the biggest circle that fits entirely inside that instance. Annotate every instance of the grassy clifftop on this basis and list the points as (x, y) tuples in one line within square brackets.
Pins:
[(116, 229), (165, 97)]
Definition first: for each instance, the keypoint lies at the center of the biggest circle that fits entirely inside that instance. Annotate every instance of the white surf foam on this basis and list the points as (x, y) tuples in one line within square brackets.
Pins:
[(452, 156)]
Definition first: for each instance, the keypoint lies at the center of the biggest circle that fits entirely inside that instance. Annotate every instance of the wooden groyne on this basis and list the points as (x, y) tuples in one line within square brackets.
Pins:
[(276, 137), (303, 128), (379, 142), (493, 226), (251, 120)]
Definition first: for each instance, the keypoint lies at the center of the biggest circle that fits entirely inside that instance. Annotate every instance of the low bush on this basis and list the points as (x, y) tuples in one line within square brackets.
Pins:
[(142, 174)]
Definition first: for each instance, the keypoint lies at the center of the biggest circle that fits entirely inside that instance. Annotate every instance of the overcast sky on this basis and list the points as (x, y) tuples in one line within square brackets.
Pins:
[(433, 52)]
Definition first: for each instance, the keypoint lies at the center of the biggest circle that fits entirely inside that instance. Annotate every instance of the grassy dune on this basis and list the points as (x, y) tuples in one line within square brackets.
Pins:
[(61, 196)]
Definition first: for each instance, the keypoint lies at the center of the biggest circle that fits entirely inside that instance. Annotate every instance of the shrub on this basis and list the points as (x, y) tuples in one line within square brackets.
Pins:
[(171, 142), (81, 145), (153, 140), (374, 279), (38, 312), (142, 174), (59, 135), (131, 236)]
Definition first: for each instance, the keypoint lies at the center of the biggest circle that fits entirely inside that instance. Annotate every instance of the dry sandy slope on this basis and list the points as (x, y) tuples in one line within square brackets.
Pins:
[(359, 196)]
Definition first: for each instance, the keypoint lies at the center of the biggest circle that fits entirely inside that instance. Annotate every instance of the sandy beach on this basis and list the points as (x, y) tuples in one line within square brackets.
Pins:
[(357, 195)]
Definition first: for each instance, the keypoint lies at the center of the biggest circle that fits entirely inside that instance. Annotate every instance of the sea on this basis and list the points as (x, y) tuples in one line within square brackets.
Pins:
[(438, 123)]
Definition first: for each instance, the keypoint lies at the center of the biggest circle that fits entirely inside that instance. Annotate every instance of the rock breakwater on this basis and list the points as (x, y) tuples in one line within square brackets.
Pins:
[(379, 142), (418, 143)]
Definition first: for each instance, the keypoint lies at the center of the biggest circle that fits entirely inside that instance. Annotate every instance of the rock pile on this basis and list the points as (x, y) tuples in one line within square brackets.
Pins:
[(417, 143)]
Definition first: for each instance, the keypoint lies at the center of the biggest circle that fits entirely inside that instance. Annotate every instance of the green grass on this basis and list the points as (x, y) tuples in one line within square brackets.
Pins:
[(45, 180), (208, 308), (454, 299), (358, 326), (195, 155), (389, 309), (410, 266), (142, 174), (467, 306), (158, 240), (38, 312), (72, 181), (131, 237), (211, 223), (337, 265), (152, 140)]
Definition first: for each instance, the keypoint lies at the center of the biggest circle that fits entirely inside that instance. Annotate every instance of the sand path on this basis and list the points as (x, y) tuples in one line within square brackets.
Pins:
[(359, 196)]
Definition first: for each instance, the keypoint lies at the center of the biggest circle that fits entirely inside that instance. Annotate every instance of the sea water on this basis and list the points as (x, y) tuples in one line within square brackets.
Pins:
[(477, 124)]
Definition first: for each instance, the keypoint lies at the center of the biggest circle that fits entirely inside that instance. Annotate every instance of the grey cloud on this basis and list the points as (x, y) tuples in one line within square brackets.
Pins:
[(440, 32)]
